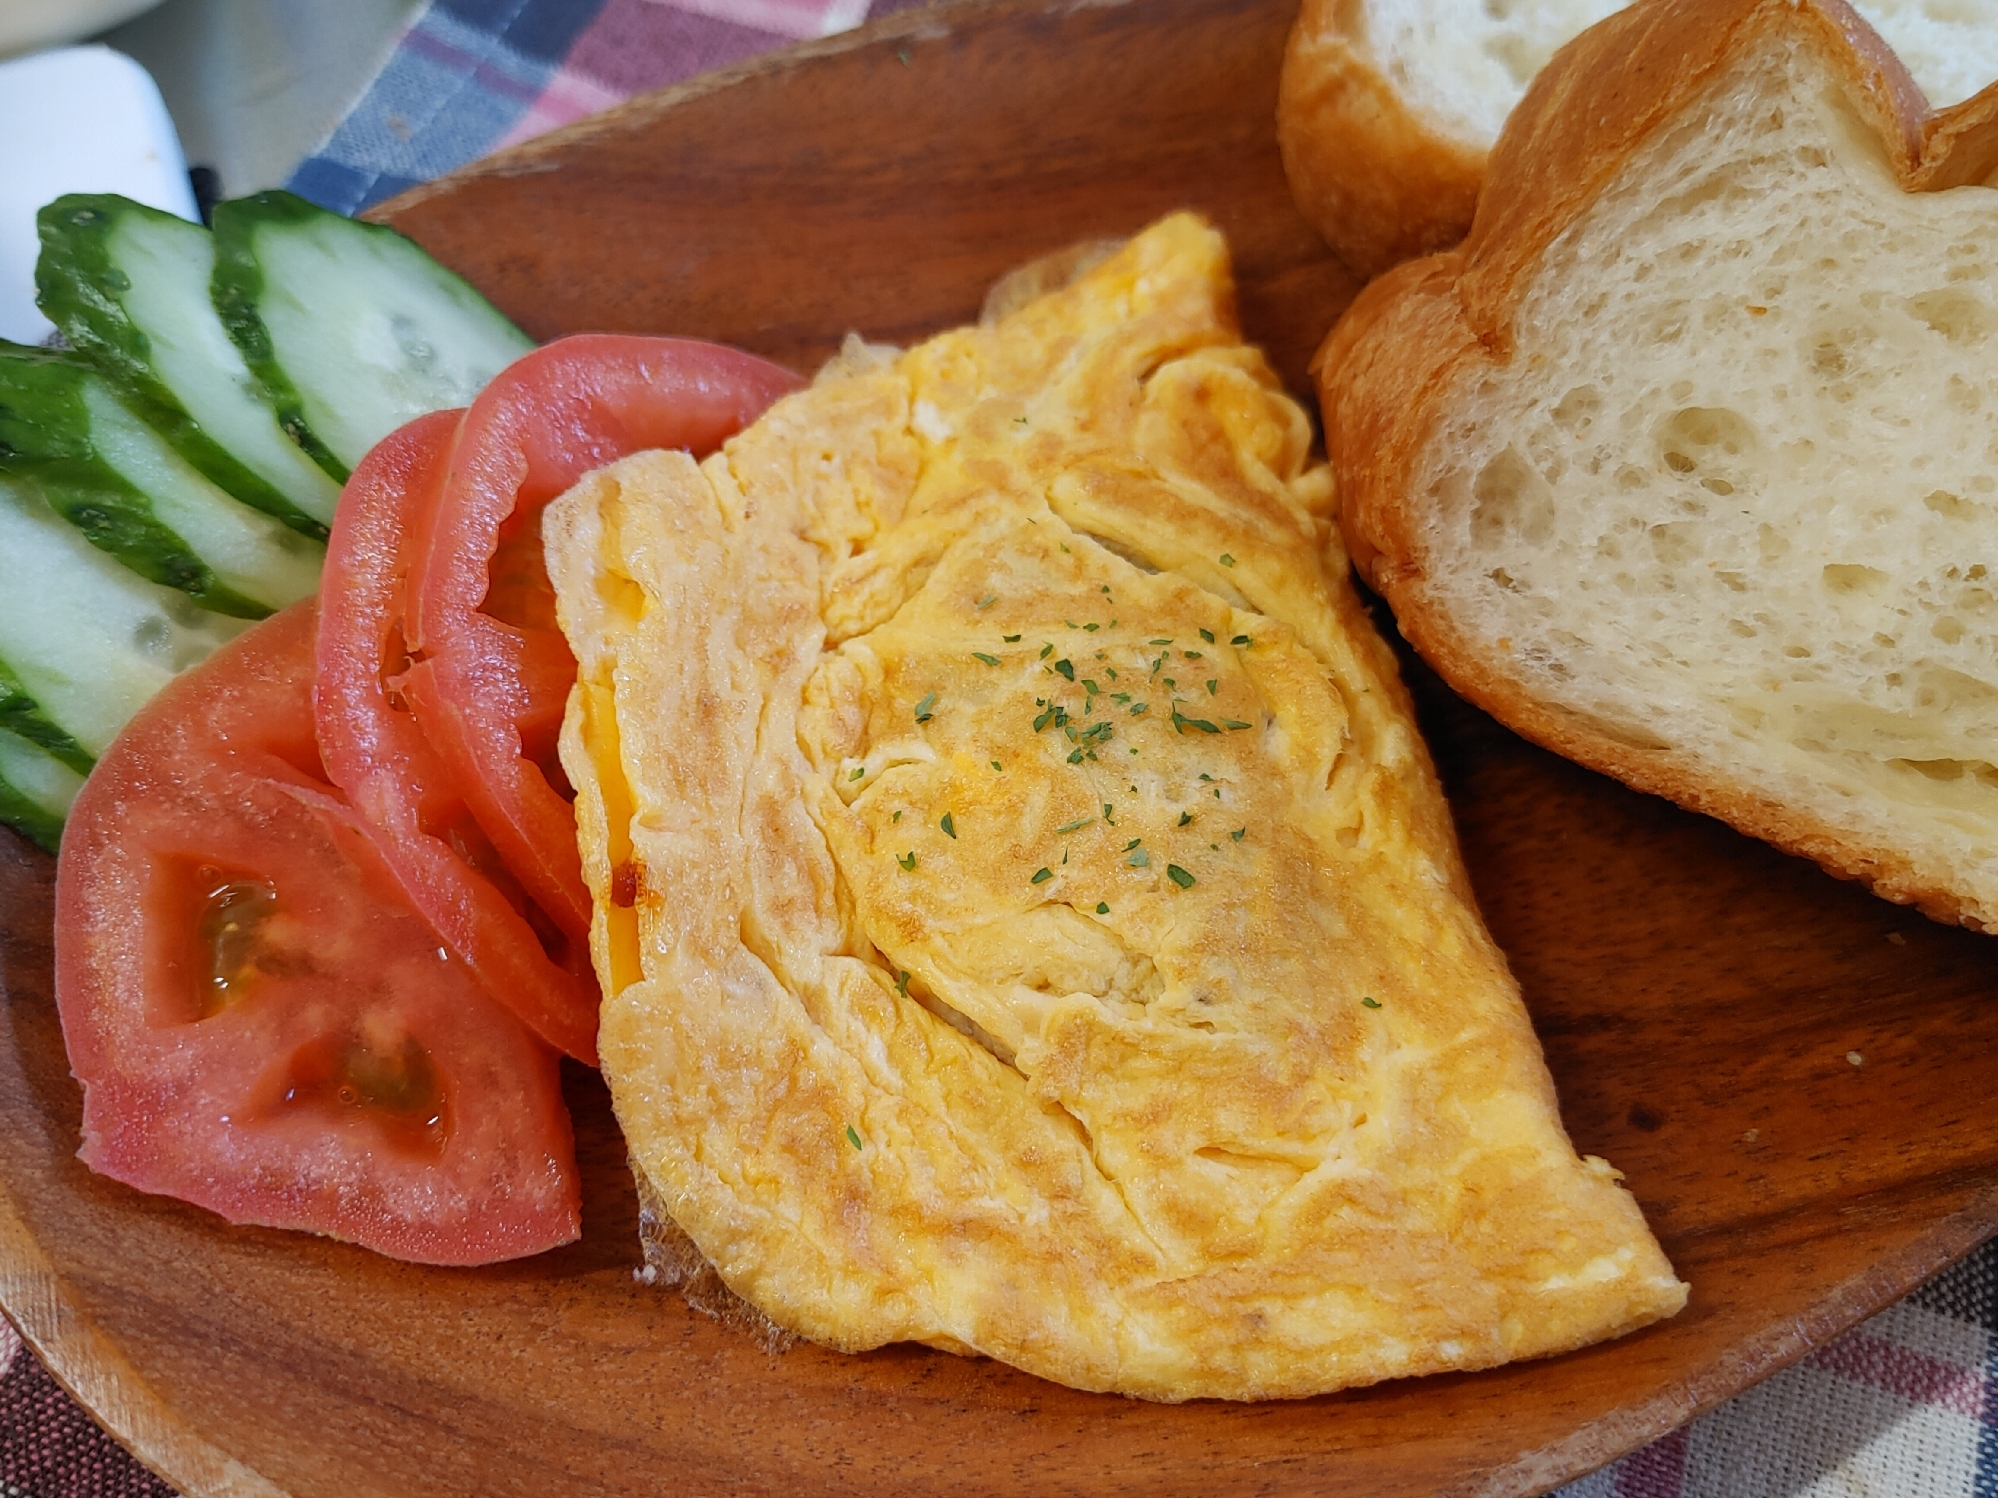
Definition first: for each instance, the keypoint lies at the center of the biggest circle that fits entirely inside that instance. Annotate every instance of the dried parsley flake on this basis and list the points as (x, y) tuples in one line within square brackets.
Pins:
[(1182, 723)]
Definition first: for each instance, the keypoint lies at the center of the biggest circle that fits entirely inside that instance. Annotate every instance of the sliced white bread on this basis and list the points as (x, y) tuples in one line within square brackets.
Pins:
[(1685, 464), (1388, 108)]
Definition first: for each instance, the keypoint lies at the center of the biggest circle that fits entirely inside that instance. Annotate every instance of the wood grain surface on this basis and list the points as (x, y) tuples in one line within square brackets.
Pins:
[(1795, 1077)]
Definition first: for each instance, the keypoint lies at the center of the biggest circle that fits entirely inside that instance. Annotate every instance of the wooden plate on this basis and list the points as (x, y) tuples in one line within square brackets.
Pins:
[(1796, 1077)]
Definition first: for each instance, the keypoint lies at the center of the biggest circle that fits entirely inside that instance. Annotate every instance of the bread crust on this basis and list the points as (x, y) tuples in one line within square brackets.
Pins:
[(1418, 187), (1335, 106), (1429, 327)]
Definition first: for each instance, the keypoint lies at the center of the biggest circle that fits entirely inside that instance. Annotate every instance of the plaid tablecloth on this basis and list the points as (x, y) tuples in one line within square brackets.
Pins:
[(1904, 1406), (471, 76)]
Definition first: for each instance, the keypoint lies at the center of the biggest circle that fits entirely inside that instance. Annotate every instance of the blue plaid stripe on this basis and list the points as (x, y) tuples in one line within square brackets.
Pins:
[(458, 80), (541, 29), (1970, 1292), (1967, 1291)]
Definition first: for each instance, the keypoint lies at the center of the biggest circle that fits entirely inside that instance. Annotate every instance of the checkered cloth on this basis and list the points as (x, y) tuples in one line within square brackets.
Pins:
[(472, 76), (1905, 1406)]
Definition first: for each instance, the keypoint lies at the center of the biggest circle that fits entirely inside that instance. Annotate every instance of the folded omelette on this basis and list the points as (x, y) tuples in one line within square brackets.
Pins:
[(1028, 920)]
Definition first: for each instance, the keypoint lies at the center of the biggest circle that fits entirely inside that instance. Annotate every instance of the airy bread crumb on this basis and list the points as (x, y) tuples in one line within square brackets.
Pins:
[(1389, 107), (1702, 484)]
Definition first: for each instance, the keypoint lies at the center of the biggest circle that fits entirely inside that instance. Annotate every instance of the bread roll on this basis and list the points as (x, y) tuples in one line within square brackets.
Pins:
[(1686, 463), (1388, 108)]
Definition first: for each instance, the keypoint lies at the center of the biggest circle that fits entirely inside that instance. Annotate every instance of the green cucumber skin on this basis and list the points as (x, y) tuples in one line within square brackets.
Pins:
[(37, 815), (237, 288), (79, 289), (25, 817), (86, 644), (321, 355), (20, 714), (45, 438), (29, 818)]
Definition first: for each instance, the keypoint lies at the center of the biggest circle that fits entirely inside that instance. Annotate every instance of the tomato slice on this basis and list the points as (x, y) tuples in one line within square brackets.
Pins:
[(376, 754), (492, 671), (262, 1023)]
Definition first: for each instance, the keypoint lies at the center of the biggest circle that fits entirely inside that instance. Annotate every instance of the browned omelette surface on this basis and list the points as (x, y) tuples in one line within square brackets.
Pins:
[(1028, 919)]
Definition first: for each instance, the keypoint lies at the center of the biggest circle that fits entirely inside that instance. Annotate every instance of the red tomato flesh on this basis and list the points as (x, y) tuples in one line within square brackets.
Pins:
[(491, 671), (262, 1022), (376, 754)]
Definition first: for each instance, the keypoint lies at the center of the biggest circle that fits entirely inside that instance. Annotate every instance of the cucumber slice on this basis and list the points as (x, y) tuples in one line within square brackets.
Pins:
[(113, 477), (20, 714), (353, 329), (89, 642), (129, 287), (36, 789)]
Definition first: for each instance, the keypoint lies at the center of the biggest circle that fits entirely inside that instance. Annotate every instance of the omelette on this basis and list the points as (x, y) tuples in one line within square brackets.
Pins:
[(1028, 920)]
